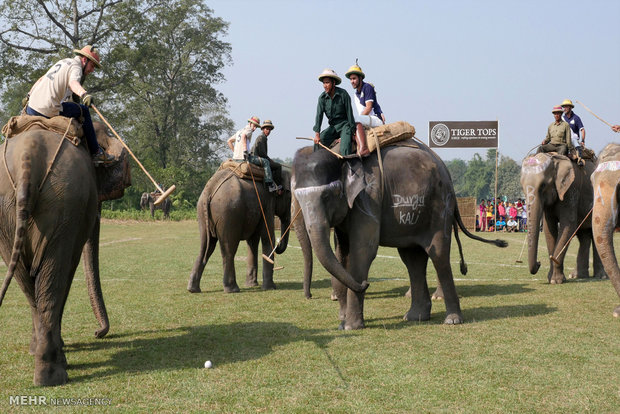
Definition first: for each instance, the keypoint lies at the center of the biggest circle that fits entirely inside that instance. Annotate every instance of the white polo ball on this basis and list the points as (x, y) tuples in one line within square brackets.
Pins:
[(208, 364)]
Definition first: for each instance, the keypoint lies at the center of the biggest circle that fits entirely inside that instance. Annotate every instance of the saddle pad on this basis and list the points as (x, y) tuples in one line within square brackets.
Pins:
[(242, 169), (57, 124), (388, 134)]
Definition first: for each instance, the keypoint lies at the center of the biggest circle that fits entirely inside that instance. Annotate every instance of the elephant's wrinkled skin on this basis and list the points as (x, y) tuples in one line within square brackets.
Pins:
[(559, 191), (228, 212), (605, 216), (147, 200), (46, 223), (416, 213)]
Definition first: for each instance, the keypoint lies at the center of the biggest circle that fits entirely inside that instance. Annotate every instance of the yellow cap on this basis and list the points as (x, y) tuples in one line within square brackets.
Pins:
[(568, 102), (355, 70)]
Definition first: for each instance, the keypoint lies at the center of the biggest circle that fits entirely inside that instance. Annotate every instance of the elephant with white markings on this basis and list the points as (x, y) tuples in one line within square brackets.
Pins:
[(414, 211), (558, 192), (605, 216)]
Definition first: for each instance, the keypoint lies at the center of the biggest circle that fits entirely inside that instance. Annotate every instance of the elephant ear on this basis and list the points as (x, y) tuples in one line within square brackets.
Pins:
[(353, 178), (565, 175)]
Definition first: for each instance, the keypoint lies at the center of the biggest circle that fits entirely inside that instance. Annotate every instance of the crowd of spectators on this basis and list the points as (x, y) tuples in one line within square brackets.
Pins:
[(511, 216)]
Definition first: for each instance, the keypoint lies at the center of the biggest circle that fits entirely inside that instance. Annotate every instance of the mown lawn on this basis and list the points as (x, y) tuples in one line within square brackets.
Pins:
[(526, 346)]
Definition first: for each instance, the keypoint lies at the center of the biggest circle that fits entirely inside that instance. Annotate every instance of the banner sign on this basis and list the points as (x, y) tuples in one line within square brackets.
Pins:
[(463, 134)]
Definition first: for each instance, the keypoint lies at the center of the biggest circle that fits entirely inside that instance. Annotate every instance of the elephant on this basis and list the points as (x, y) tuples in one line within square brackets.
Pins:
[(229, 211), (50, 210), (559, 190), (605, 217), (148, 200), (411, 205)]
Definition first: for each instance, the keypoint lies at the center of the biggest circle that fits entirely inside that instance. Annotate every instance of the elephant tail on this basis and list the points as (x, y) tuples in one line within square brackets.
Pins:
[(459, 221), (22, 197), (458, 242)]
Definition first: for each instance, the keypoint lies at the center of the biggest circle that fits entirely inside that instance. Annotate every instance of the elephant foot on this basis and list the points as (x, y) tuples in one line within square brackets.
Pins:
[(417, 316), (453, 319), (48, 375), (333, 296), (269, 286), (601, 276), (408, 294), (232, 289), (349, 326), (341, 326), (251, 283), (438, 295), (557, 280), (193, 286), (617, 312)]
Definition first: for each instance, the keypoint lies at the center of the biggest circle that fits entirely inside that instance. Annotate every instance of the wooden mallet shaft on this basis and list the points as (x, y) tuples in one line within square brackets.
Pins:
[(164, 193), (556, 261), (268, 258), (321, 144)]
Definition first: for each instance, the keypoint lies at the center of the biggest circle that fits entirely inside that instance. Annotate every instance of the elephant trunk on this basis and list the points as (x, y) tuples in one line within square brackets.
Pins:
[(284, 224), (90, 256), (534, 214), (319, 238), (306, 249)]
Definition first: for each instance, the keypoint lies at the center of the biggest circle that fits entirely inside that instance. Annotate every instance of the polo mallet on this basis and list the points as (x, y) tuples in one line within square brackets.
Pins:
[(268, 258), (571, 238), (164, 194), (599, 118), (522, 249), (321, 144)]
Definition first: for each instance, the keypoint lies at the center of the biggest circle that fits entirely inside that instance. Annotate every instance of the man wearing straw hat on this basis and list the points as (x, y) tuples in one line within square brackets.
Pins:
[(239, 143), (558, 137), (259, 150), (335, 103), (50, 96), (578, 132)]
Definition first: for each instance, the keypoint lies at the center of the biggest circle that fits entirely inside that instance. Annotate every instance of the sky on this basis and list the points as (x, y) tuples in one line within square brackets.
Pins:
[(429, 61)]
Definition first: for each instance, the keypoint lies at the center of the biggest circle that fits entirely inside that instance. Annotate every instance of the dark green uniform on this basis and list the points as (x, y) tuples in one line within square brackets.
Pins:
[(340, 116)]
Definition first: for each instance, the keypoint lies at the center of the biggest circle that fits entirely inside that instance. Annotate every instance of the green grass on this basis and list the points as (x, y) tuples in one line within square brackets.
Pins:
[(526, 346)]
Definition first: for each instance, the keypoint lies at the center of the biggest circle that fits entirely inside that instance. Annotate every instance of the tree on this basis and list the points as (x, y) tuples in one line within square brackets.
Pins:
[(457, 169), (508, 179), (160, 62)]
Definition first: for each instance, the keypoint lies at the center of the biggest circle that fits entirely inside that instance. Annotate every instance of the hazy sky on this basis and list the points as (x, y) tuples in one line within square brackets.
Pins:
[(429, 61)]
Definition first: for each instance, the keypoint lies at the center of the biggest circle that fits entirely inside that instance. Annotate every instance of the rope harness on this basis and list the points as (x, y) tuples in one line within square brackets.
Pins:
[(261, 208)]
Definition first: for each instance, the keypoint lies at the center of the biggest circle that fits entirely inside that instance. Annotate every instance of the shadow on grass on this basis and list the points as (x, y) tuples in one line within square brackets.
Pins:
[(189, 347), (462, 290), (479, 314)]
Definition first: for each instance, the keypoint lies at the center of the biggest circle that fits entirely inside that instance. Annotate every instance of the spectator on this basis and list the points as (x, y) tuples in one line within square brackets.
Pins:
[(483, 215), (512, 225), (490, 218), (501, 211)]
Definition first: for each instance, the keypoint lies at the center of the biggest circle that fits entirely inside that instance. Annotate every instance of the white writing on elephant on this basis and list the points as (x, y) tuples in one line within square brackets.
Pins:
[(413, 201)]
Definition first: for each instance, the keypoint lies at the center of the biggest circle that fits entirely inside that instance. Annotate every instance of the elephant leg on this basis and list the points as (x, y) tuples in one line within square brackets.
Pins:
[(339, 290), (556, 271), (597, 264), (439, 252), (228, 250), (362, 251), (416, 260), (207, 246), (438, 294), (268, 283), (582, 270), (251, 278), (52, 282)]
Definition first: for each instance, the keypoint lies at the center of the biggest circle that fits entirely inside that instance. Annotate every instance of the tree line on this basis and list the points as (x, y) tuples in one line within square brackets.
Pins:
[(162, 61)]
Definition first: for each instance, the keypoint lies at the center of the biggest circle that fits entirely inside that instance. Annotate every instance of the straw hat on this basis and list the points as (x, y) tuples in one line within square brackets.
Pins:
[(568, 102), (557, 109), (90, 53), (267, 124), (255, 120), (355, 70), (329, 73)]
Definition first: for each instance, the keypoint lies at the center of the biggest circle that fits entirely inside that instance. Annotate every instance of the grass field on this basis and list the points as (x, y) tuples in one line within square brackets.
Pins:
[(526, 346)]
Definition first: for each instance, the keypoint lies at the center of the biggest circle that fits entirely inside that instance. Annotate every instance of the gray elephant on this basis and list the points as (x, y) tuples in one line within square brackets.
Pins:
[(50, 203), (605, 216), (559, 191), (229, 211), (414, 210), (148, 200)]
